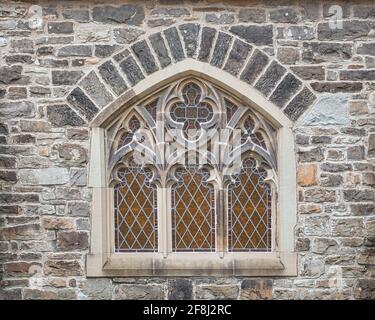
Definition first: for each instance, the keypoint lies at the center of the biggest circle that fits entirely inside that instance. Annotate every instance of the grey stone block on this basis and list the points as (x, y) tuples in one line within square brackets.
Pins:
[(144, 55)]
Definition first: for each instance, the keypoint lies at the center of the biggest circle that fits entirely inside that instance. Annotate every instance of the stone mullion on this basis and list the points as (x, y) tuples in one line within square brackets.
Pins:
[(221, 237)]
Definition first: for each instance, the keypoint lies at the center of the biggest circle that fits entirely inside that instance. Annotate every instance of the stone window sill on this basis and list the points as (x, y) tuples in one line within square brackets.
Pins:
[(193, 264)]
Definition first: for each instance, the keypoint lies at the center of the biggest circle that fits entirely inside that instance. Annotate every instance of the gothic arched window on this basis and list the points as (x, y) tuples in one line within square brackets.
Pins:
[(191, 186)]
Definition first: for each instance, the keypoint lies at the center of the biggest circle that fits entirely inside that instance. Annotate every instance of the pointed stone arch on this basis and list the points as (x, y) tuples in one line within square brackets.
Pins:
[(90, 99), (189, 47)]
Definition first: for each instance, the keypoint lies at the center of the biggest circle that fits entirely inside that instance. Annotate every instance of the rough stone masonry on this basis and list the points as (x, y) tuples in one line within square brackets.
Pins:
[(62, 62)]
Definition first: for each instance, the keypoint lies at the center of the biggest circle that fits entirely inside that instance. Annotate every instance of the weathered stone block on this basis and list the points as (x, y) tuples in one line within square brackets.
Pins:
[(132, 70), (362, 209), (160, 49), (309, 72), (356, 153), (366, 49), (127, 35), (357, 75), (17, 93), (237, 57), (47, 176), (171, 12), (285, 15), (296, 33), (365, 288), (285, 90), (252, 15), (22, 232), (335, 167), (63, 268), (98, 289), (270, 78), (324, 246), (259, 35), (75, 51), (79, 100), (301, 102), (318, 52), (72, 240), (221, 48), (105, 50), (355, 195), (256, 289), (223, 18), (154, 23), (364, 11), (310, 155), (312, 267), (190, 34), (318, 195), (219, 292), (131, 14), (78, 209), (302, 244), (358, 108), (307, 175), (144, 55), (180, 289), (330, 180), (368, 178), (10, 110), (310, 208), (288, 55), (111, 76), (56, 223), (254, 67), (60, 116), (60, 27), (52, 63), (71, 154), (19, 59), (21, 268), (347, 227), (138, 292), (10, 74), (77, 15), (96, 90), (328, 110), (174, 44), (62, 77), (22, 46), (207, 39), (7, 162)]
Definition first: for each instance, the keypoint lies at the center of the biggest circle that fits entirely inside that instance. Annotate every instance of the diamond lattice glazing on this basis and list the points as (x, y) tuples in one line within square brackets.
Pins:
[(193, 214), (135, 211), (249, 210)]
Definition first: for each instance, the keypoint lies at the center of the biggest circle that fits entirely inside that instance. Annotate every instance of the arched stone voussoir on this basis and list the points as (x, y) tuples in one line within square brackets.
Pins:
[(235, 53)]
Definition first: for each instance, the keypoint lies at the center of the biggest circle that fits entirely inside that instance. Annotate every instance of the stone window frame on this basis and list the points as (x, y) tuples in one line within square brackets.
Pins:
[(103, 262)]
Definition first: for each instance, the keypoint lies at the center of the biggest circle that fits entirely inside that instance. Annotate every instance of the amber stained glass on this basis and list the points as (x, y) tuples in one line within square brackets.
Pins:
[(193, 213), (135, 211), (249, 210)]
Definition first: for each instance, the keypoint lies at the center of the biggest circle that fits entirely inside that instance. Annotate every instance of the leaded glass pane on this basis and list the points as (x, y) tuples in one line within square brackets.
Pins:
[(135, 211), (193, 214), (249, 210)]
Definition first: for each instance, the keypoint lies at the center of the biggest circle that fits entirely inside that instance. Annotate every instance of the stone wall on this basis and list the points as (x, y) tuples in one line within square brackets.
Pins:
[(62, 62)]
